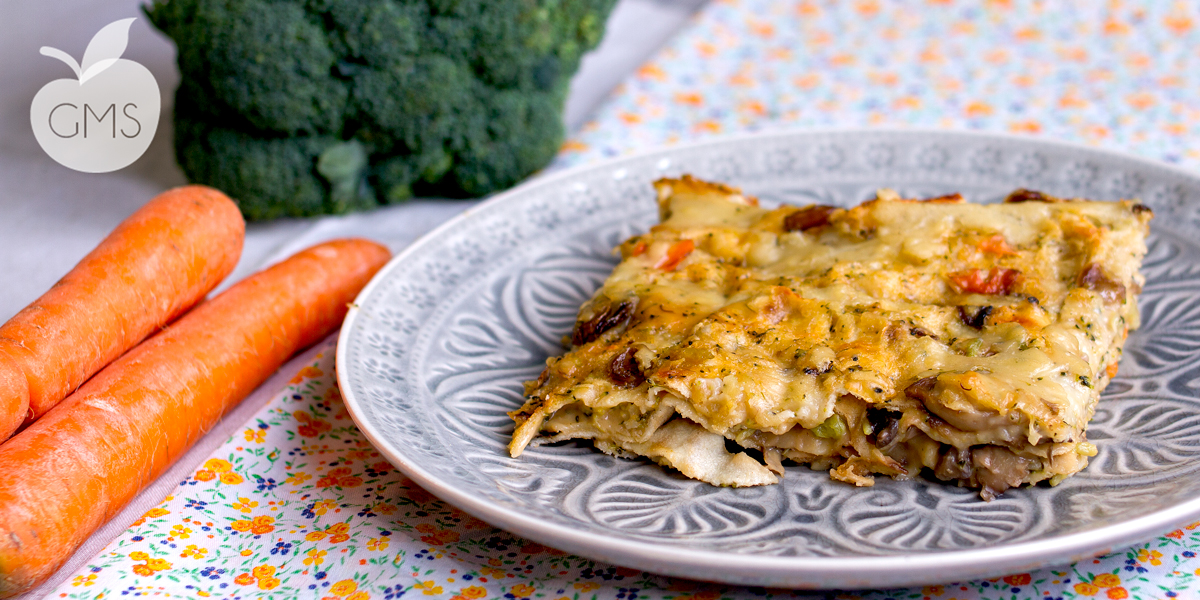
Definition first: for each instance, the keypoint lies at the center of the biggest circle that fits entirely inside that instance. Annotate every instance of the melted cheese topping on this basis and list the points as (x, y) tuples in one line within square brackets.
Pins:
[(804, 333)]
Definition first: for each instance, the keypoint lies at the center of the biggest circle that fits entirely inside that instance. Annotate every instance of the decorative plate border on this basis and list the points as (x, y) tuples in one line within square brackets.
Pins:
[(436, 347)]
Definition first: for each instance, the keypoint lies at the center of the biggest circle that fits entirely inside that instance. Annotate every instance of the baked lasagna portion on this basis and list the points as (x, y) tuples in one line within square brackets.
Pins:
[(895, 337)]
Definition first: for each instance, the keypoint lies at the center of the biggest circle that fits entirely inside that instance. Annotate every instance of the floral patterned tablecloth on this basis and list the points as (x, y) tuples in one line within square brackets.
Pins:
[(298, 504)]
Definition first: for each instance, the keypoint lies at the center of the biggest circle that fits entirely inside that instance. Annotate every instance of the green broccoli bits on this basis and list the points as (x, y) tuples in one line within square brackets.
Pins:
[(307, 107)]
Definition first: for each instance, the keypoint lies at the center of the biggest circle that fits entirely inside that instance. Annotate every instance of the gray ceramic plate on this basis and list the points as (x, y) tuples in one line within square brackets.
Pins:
[(434, 353)]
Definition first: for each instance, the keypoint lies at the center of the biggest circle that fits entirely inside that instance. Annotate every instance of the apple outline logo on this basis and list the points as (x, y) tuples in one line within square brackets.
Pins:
[(105, 118)]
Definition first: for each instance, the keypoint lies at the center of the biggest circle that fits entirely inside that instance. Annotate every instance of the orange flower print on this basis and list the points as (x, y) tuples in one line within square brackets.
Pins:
[(652, 71), (1153, 557), (429, 588), (340, 477), (689, 99), (339, 532), (205, 475), (473, 592), (761, 28), (1141, 100), (1025, 127), (1018, 579), (1086, 589), (244, 579), (309, 372), (263, 524), (1106, 580), (807, 81), (754, 107), (844, 59), (309, 425), (978, 109), (573, 146), (1178, 21), (933, 590), (888, 78), (1117, 593), (1177, 534), (359, 595), (218, 465), (1075, 53), (996, 56), (522, 590), (262, 571), (193, 551), (377, 544), (258, 525), (151, 566), (344, 587), (867, 8), (255, 436), (1028, 34), (298, 477), (1072, 99), (315, 557), (1114, 27), (439, 538), (268, 583), (153, 513), (932, 54), (89, 579), (324, 506), (244, 505)]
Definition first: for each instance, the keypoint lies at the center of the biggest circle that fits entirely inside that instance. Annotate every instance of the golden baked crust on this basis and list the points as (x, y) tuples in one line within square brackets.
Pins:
[(895, 336)]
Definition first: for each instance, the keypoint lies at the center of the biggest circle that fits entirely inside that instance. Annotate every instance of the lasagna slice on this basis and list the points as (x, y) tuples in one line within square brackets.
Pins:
[(899, 336)]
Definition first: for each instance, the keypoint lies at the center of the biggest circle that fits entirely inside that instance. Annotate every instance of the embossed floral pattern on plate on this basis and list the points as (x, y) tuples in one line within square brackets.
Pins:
[(437, 348)]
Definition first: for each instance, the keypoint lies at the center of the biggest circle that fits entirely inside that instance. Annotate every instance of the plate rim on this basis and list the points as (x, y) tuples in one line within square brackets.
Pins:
[(852, 572)]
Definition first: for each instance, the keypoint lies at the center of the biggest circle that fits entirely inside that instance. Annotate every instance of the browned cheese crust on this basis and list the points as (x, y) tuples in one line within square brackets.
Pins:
[(968, 340)]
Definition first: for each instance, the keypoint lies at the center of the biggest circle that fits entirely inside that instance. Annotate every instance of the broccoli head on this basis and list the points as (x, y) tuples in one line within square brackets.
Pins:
[(306, 107)]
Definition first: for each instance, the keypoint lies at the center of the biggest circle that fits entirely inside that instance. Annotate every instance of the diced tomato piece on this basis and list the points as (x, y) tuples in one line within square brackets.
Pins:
[(675, 254), (639, 248), (997, 280)]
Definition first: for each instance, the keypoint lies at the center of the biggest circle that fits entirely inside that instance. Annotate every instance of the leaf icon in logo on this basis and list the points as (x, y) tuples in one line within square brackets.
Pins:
[(102, 52)]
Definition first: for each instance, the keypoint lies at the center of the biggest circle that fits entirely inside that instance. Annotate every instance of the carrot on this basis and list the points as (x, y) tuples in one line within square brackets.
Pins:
[(153, 267), (14, 396), (74, 468), (675, 254)]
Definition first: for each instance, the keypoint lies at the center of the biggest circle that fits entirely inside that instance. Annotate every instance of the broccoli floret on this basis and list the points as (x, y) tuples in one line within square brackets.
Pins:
[(306, 107)]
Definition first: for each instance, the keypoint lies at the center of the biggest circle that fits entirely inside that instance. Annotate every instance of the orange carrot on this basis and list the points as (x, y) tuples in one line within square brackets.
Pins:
[(675, 254), (153, 267), (14, 396), (74, 468)]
